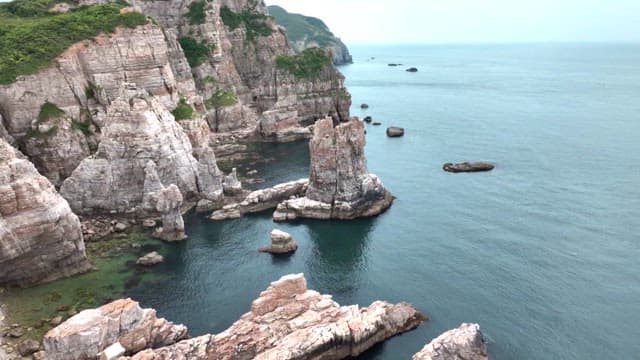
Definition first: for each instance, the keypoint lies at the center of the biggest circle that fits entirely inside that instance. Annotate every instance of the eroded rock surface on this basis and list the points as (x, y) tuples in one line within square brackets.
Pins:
[(88, 333), (288, 321), (340, 186), (468, 167), (464, 343), (40, 237)]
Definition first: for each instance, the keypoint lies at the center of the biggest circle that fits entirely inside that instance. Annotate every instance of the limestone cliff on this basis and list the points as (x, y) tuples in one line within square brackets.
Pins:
[(40, 238), (137, 130), (340, 185), (306, 32)]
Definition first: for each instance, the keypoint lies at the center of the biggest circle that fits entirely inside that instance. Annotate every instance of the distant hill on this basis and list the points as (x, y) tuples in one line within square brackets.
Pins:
[(305, 32)]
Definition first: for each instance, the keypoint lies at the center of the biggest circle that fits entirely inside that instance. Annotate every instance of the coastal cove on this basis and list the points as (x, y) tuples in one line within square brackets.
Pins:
[(540, 252)]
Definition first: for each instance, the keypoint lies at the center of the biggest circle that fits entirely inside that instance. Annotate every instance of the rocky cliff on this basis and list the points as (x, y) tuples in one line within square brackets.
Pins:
[(465, 342), (340, 185), (40, 238), (306, 32)]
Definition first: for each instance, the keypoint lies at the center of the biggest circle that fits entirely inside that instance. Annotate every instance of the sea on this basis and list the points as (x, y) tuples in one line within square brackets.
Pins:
[(543, 252)]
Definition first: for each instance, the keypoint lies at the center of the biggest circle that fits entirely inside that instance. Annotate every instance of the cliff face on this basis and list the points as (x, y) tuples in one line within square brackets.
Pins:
[(306, 32), (40, 238)]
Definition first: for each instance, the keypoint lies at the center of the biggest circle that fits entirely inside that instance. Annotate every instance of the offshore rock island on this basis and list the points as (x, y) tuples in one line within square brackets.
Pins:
[(116, 121)]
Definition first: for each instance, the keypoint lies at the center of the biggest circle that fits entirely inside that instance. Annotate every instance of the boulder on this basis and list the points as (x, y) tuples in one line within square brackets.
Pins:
[(113, 352), (152, 258), (394, 131), (281, 243), (368, 119), (364, 106), (468, 167), (121, 227), (377, 123), (465, 342), (412, 69), (28, 347), (88, 333), (149, 223)]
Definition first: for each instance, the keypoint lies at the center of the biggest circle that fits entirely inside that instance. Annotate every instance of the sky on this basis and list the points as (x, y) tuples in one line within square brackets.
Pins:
[(474, 21)]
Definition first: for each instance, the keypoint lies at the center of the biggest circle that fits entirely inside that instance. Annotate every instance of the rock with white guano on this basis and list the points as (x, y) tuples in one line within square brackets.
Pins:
[(281, 243)]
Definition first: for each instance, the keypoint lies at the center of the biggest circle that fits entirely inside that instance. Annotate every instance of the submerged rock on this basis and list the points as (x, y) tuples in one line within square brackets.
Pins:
[(281, 243), (86, 334), (288, 321), (364, 106), (340, 185), (468, 167), (412, 69), (40, 237), (28, 347), (152, 258), (394, 131), (465, 342)]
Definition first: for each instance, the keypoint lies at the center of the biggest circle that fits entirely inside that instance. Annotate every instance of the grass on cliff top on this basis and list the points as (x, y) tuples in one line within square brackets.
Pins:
[(300, 27), (307, 64), (31, 36), (254, 23)]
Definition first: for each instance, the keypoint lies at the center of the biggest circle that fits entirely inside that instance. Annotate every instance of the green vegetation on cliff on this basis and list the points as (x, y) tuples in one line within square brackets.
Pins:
[(306, 31), (254, 23), (31, 36), (183, 111), (222, 98), (196, 14), (195, 52), (308, 64)]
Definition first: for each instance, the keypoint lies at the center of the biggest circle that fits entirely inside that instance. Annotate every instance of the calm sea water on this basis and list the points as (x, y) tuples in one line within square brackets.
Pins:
[(543, 252)]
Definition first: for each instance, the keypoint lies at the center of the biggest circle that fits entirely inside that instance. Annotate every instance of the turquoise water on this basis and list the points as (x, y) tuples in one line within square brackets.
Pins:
[(543, 252)]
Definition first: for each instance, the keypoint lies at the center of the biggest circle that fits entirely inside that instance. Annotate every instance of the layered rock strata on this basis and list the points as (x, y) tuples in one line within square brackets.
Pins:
[(139, 129), (340, 186), (465, 342), (281, 243), (288, 321), (261, 200), (40, 237), (87, 334)]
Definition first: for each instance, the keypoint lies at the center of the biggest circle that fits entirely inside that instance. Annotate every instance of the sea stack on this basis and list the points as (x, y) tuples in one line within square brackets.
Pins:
[(281, 243), (40, 237), (340, 185)]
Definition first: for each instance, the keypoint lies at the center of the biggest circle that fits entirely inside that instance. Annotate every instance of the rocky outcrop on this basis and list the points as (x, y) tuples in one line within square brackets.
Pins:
[(394, 131), (262, 199), (40, 237), (288, 321), (465, 342), (169, 203), (306, 32), (281, 243), (82, 82), (88, 333), (340, 186), (152, 258), (139, 129), (468, 167)]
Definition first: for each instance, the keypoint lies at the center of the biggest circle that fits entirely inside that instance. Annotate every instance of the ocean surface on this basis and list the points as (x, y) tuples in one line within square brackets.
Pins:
[(543, 252)]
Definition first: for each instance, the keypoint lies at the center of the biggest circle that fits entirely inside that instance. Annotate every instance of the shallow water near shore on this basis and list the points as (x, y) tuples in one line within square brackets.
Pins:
[(542, 252)]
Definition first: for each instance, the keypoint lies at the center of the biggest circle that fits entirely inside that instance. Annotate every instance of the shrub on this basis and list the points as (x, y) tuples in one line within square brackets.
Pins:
[(196, 14), (31, 36), (307, 64), (84, 127), (49, 111), (254, 23), (222, 98), (196, 53), (183, 111)]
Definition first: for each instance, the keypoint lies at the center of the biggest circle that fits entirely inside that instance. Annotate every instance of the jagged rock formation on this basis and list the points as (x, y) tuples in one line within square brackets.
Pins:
[(168, 204), (86, 334), (281, 243), (288, 321), (262, 199), (465, 342), (340, 186), (138, 129), (306, 32), (40, 238)]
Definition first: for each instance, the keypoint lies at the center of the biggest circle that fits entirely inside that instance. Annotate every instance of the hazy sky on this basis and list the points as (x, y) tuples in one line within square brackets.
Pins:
[(444, 21)]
